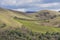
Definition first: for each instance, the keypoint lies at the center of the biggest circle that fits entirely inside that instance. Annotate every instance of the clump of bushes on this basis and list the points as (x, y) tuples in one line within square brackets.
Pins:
[(2, 25), (26, 34)]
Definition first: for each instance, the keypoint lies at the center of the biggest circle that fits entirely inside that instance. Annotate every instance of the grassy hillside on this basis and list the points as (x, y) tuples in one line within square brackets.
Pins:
[(40, 24), (7, 17), (45, 19), (25, 26), (34, 26)]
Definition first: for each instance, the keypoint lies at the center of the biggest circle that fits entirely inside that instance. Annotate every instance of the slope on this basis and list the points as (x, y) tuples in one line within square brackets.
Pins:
[(41, 21), (44, 21), (6, 17)]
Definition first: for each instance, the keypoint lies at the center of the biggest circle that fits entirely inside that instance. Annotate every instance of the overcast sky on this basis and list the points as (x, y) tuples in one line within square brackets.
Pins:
[(30, 5)]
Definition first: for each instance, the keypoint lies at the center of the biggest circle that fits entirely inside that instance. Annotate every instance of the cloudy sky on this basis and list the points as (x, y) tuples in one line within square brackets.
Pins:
[(30, 5)]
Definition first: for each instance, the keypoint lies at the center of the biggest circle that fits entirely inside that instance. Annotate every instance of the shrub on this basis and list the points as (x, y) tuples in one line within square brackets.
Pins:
[(3, 25)]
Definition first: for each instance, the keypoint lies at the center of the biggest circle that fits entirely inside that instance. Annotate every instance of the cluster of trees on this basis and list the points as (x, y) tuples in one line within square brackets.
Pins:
[(26, 34)]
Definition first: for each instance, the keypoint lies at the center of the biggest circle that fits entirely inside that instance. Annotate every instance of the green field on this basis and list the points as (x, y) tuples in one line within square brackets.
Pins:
[(38, 28)]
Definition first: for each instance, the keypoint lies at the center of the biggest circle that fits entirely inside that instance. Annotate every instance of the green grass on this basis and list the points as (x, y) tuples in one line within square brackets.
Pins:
[(38, 28)]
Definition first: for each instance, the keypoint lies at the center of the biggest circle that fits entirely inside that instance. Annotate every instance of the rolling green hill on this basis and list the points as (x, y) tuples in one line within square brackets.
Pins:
[(45, 19), (19, 22)]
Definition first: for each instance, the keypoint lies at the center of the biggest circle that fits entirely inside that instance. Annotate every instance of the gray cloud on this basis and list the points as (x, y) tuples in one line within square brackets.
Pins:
[(30, 4)]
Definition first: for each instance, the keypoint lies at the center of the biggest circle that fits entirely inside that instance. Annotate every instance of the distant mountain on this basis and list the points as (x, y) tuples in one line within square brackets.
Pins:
[(31, 11)]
